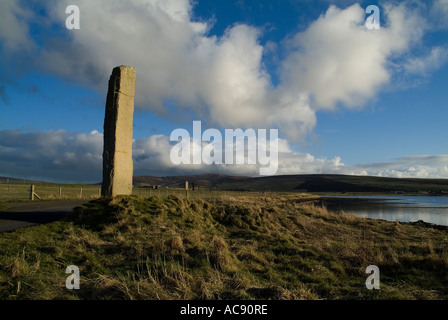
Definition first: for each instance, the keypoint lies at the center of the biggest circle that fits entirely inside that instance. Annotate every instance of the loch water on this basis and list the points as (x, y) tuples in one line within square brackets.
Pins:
[(431, 209)]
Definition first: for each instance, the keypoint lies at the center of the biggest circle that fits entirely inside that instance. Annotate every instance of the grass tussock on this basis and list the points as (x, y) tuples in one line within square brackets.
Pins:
[(273, 246)]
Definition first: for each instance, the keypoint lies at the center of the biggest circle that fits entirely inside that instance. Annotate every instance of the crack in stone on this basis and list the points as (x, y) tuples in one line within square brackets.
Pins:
[(118, 91)]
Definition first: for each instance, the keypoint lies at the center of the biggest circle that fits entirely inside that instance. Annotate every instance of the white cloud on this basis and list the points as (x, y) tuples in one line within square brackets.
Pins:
[(63, 156), (439, 13), (58, 155), (13, 26), (223, 79), (220, 79), (337, 59), (428, 63), (416, 166)]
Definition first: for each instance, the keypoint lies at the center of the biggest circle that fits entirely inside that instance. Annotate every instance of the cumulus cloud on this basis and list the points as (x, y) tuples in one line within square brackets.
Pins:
[(439, 12), (51, 155), (63, 156), (223, 80), (335, 62), (416, 166), (428, 63), (337, 59), (14, 30)]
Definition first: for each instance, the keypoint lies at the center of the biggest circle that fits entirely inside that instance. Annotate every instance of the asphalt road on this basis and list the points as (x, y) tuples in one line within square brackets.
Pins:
[(26, 214)]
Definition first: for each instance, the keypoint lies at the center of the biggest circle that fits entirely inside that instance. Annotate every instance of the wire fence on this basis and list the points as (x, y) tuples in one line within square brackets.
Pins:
[(24, 192), (14, 192)]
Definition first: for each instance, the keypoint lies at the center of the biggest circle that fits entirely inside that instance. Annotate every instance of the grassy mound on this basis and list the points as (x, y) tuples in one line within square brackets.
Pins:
[(269, 247)]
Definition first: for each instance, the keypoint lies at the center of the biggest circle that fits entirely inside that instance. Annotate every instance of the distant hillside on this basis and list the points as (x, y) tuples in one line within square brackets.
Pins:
[(341, 183), (288, 183), (301, 183), (202, 180), (16, 180)]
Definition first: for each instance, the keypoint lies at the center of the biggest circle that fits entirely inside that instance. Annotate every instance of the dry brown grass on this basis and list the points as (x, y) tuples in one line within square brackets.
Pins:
[(269, 246)]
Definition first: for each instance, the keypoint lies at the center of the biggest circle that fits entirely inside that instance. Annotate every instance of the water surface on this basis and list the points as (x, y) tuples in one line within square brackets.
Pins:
[(392, 208)]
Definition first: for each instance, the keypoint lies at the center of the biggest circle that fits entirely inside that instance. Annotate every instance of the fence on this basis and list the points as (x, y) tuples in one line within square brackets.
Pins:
[(22, 192), (14, 192), (10, 192)]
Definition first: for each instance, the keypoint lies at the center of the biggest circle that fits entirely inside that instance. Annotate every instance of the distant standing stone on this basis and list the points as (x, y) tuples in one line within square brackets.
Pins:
[(117, 154)]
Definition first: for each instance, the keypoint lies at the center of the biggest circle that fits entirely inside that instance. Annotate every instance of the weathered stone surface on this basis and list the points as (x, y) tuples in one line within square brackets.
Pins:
[(117, 154)]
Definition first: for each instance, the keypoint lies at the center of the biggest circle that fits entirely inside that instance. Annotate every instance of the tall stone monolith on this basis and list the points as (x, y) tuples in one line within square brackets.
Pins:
[(117, 154)]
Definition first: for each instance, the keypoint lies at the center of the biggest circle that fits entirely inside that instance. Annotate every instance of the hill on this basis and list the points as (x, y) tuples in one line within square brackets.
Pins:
[(201, 180), (318, 183), (16, 180), (302, 183)]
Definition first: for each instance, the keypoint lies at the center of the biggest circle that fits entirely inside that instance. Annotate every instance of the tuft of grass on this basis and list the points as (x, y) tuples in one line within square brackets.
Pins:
[(269, 246), (4, 207)]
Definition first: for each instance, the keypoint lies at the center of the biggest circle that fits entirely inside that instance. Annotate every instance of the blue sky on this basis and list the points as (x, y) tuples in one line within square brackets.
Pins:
[(345, 99)]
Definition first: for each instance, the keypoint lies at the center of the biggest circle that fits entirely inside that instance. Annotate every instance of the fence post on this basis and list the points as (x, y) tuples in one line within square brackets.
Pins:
[(60, 191), (99, 192), (32, 193), (80, 193)]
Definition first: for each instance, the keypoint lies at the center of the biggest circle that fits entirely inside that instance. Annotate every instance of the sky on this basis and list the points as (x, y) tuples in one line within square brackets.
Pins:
[(346, 99)]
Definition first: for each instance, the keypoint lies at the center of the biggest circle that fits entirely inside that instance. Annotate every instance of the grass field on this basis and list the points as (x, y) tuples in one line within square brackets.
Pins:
[(269, 246), (49, 191)]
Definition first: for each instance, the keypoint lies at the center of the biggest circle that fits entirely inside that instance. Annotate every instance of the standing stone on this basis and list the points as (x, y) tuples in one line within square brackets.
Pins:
[(117, 153)]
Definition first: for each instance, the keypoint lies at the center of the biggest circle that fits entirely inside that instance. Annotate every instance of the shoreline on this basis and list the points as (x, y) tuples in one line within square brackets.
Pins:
[(374, 194), (389, 208)]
